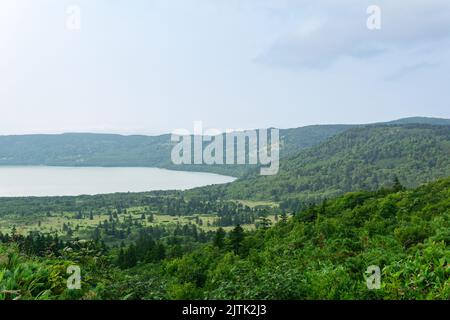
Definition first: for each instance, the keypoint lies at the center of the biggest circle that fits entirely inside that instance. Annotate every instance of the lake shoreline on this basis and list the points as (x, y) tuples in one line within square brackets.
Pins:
[(56, 181)]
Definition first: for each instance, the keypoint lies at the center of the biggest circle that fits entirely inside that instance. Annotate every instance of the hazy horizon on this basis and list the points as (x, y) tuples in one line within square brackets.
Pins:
[(150, 67), (149, 133)]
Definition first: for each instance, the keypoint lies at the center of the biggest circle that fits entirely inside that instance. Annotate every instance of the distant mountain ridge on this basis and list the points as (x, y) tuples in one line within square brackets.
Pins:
[(92, 149), (421, 120)]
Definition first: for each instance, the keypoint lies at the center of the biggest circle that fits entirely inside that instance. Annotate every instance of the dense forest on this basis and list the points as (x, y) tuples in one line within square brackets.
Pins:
[(363, 158), (322, 252)]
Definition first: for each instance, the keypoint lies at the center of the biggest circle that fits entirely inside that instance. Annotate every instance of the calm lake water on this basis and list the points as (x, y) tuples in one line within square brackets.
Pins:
[(59, 181)]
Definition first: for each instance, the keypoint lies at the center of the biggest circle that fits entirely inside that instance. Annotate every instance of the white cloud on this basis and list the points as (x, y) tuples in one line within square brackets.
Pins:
[(343, 33)]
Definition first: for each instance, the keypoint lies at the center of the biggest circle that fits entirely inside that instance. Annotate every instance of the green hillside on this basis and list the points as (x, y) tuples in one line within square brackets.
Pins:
[(88, 149), (362, 158), (322, 252), (421, 120), (85, 149)]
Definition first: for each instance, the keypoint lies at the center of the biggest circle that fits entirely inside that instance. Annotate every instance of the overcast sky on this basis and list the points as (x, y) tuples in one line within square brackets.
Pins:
[(152, 66)]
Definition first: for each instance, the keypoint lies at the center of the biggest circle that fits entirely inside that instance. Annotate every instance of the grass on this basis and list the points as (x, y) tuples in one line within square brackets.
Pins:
[(54, 224), (253, 204)]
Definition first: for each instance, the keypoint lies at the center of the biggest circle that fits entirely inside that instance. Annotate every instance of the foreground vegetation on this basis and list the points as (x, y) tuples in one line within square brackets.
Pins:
[(322, 252)]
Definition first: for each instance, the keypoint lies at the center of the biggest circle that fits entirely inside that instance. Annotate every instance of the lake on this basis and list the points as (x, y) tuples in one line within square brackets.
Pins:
[(61, 181)]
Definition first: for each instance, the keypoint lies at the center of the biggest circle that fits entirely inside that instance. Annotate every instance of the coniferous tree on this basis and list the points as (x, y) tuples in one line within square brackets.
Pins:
[(219, 238), (236, 236), (397, 185)]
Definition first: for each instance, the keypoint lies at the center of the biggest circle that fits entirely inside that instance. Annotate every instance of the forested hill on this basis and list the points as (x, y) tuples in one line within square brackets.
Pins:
[(421, 120), (362, 158), (85, 149), (323, 252), (88, 149)]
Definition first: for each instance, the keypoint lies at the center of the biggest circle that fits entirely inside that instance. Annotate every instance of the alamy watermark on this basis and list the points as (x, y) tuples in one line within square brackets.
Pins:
[(373, 278), (374, 19), (74, 280), (212, 147), (73, 18)]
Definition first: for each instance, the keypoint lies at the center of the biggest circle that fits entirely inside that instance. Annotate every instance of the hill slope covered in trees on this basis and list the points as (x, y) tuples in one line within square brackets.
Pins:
[(322, 252), (89, 149), (362, 158)]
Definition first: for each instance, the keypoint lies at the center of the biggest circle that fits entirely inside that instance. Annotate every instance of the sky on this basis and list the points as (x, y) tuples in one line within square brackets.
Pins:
[(153, 66)]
